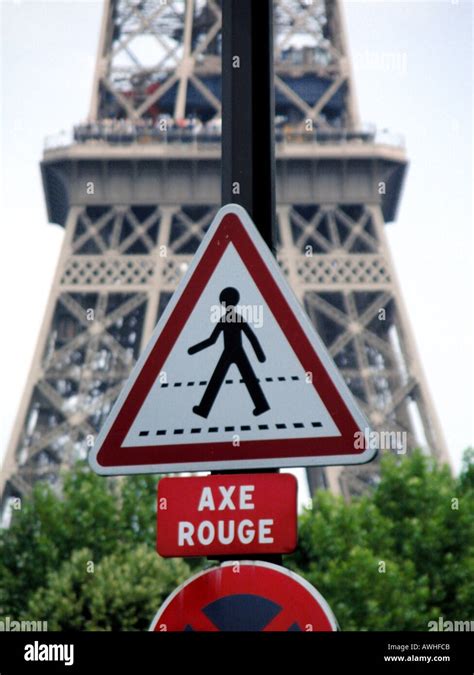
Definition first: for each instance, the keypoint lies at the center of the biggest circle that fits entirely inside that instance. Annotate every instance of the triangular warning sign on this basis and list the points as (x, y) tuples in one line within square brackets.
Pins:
[(234, 375)]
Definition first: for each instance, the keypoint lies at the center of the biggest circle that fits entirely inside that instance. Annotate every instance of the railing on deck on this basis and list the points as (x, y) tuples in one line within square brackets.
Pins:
[(124, 132)]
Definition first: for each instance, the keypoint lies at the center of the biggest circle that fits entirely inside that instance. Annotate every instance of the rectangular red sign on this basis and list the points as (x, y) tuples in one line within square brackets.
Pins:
[(227, 515)]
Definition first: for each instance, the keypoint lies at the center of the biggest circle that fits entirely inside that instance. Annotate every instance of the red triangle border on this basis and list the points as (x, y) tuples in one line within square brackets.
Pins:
[(112, 454)]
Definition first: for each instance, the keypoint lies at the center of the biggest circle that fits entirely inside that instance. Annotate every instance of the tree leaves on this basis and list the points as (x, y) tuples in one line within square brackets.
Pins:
[(411, 525), (394, 560), (122, 592)]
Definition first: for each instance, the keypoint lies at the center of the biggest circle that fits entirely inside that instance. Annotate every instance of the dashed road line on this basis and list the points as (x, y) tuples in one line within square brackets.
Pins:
[(279, 378), (244, 427)]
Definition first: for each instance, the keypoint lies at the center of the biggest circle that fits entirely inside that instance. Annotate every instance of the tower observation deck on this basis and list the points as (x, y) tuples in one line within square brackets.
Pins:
[(136, 186)]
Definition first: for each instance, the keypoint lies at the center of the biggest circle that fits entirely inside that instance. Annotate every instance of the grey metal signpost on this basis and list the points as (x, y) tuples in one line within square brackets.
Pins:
[(248, 119)]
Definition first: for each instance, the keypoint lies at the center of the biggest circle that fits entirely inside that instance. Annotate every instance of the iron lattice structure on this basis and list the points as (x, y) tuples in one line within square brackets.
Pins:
[(139, 184)]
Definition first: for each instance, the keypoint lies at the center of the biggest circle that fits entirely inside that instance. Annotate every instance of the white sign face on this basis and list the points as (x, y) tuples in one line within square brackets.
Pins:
[(294, 408), (234, 375)]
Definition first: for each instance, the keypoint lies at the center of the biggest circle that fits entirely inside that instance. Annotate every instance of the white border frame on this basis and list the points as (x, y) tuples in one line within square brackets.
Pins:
[(324, 356)]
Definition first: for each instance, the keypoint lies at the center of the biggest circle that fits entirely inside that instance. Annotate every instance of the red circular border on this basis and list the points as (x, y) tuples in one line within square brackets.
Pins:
[(301, 603)]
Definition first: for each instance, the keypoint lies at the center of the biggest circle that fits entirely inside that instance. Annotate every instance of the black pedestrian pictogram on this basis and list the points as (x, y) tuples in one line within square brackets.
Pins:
[(232, 325)]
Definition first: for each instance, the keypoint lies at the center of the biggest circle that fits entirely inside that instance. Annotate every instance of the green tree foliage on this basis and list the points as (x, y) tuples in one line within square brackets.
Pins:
[(123, 592), (398, 558), (85, 559), (393, 560)]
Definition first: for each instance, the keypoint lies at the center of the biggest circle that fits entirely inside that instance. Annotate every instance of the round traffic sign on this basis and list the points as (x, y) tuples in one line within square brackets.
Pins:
[(245, 596)]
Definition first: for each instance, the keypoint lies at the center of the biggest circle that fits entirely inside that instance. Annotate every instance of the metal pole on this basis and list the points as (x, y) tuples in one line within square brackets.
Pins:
[(248, 128), (248, 111)]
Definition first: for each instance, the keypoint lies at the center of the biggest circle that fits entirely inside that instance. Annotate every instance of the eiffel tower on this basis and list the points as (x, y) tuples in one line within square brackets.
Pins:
[(138, 184)]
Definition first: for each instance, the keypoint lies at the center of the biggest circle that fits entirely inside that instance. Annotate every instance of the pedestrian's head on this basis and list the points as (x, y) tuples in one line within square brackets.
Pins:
[(229, 297)]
